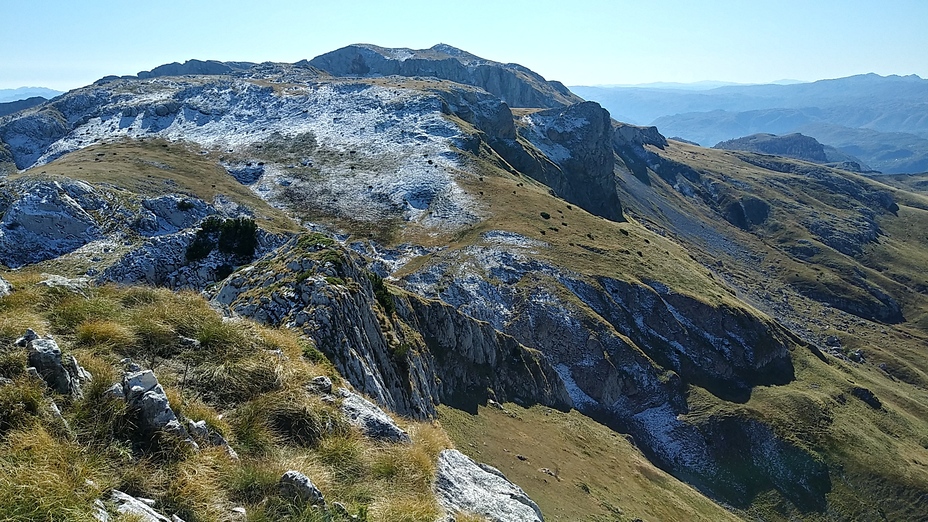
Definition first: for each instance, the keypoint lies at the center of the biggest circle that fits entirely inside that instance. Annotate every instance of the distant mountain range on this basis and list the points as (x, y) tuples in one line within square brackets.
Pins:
[(691, 86), (22, 93), (883, 120), (15, 100)]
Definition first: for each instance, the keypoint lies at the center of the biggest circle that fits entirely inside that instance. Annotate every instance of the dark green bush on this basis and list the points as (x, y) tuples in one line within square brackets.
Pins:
[(238, 236), (382, 293)]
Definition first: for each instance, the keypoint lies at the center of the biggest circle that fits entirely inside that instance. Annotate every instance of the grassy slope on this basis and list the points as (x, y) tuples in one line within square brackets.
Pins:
[(148, 168), (583, 242), (575, 239), (893, 253), (592, 473), (251, 396), (876, 457), (153, 167)]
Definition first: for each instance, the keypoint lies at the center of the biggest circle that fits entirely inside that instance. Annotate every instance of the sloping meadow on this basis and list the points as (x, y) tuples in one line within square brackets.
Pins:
[(250, 384)]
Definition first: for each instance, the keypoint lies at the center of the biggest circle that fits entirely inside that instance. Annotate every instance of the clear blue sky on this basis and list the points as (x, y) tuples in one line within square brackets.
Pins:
[(66, 44)]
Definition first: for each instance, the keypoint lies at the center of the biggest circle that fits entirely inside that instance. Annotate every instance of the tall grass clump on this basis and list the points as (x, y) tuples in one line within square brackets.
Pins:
[(43, 478)]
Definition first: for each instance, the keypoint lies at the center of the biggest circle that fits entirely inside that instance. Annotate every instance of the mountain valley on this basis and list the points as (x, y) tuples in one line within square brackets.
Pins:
[(626, 326)]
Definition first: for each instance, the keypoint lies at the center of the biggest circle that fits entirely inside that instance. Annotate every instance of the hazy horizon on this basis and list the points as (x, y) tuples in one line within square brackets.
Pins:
[(590, 43)]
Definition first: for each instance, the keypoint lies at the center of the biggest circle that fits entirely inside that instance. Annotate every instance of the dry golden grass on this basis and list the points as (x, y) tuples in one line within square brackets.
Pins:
[(246, 381), (45, 478), (104, 334), (405, 508)]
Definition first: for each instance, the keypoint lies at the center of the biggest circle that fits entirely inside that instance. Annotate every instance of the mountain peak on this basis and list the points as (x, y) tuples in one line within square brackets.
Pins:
[(448, 49), (514, 84)]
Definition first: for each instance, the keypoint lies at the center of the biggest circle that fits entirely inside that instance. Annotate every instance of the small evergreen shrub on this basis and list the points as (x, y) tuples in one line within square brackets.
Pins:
[(313, 355), (382, 293), (238, 236)]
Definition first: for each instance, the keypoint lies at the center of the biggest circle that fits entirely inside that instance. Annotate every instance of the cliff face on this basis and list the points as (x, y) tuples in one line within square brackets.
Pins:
[(628, 353), (578, 139), (514, 84), (569, 149), (409, 353)]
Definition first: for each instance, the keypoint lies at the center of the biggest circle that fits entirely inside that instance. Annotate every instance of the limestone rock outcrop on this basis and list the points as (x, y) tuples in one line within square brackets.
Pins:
[(45, 221), (791, 145), (578, 139), (5, 287), (372, 421), (626, 351), (327, 295), (63, 376), (162, 261), (140, 509), (297, 486), (461, 484), (195, 67), (171, 213), (148, 400), (27, 137), (514, 84)]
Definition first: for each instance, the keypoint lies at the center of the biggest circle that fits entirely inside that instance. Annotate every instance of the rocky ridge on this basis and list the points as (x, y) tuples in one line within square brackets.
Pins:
[(512, 83), (481, 321), (396, 359), (795, 146), (394, 346)]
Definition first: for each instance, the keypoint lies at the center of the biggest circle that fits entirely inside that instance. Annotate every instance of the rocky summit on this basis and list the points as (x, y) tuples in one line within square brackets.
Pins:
[(396, 284)]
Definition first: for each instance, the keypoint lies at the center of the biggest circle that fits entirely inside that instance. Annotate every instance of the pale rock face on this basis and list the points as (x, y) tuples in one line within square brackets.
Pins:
[(162, 261), (578, 139), (624, 351), (172, 213), (204, 435), (143, 393), (635, 136), (516, 85), (134, 507), (463, 485), (45, 356), (43, 223), (399, 139), (5, 287), (295, 485), (75, 285), (345, 323), (370, 419)]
